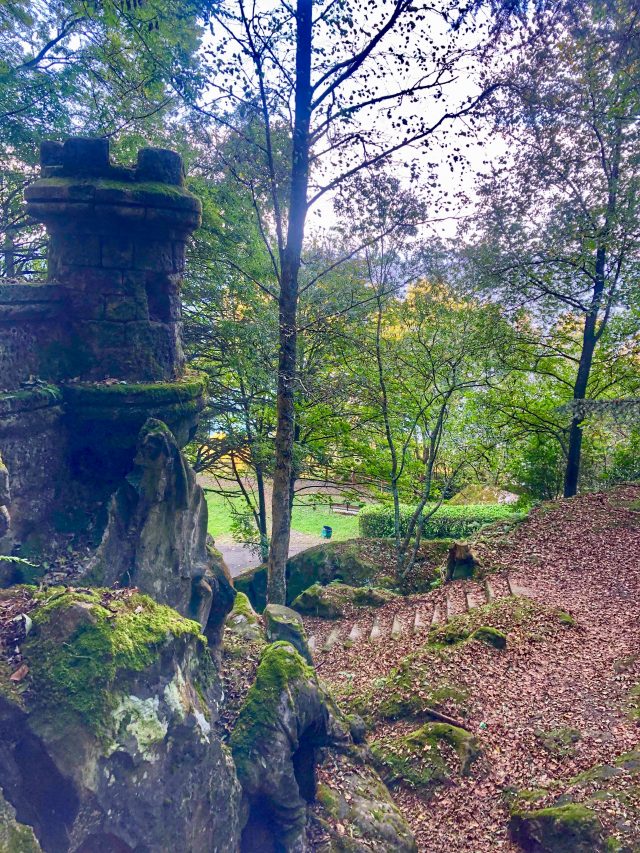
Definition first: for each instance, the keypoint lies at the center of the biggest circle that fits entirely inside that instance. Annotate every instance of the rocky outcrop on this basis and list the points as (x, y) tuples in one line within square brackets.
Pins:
[(283, 623), (341, 561), (156, 535), (107, 742), (354, 811), (15, 837), (329, 601), (569, 828), (286, 717)]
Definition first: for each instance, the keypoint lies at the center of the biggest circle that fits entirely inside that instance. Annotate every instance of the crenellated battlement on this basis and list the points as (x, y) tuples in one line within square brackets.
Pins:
[(104, 331)]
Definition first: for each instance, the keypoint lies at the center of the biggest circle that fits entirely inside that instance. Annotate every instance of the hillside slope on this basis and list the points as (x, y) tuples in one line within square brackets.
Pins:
[(560, 700)]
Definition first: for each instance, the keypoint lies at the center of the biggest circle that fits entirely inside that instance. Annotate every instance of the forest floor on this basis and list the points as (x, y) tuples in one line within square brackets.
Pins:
[(560, 699)]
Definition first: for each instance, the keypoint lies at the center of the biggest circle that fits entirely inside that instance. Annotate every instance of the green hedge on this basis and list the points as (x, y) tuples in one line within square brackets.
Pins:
[(455, 522)]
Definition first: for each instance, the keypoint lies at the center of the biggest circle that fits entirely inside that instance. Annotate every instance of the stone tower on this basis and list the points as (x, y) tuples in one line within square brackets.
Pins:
[(88, 356)]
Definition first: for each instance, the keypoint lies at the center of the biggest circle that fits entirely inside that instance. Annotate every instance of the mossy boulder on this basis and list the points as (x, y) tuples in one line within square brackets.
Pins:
[(341, 561), (559, 742), (329, 601), (490, 637), (419, 760), (353, 808), (243, 621), (15, 837), (283, 623), (118, 708), (569, 828), (285, 718)]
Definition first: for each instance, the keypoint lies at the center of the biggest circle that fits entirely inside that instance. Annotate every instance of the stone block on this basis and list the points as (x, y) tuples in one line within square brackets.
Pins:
[(160, 164), (154, 255), (178, 255), (103, 335), (68, 248), (84, 156), (124, 308), (117, 252), (90, 279), (163, 297), (50, 153)]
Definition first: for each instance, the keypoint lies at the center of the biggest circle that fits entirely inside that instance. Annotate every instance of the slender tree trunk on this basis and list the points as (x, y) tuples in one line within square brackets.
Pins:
[(262, 515), (288, 304), (9, 255), (589, 341)]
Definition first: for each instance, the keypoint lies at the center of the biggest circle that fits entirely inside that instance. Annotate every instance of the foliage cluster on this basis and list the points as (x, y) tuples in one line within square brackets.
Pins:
[(448, 521)]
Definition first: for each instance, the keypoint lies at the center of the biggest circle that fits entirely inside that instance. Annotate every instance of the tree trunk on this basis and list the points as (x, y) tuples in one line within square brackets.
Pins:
[(288, 304), (262, 515), (589, 341)]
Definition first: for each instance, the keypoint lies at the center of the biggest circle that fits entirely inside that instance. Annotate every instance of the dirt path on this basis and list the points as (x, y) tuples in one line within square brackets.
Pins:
[(240, 557), (583, 556)]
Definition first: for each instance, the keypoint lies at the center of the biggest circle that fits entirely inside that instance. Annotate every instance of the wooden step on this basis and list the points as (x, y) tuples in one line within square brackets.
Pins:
[(396, 628), (376, 632), (420, 621), (331, 640), (354, 635)]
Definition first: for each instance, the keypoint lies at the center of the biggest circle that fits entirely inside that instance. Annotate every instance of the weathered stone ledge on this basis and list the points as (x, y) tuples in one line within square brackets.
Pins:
[(29, 400)]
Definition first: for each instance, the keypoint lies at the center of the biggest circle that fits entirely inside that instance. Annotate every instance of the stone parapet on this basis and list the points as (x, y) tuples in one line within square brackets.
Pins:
[(116, 243), (32, 335)]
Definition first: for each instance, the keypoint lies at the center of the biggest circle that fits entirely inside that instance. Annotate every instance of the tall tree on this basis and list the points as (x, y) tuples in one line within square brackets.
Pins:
[(331, 73), (559, 213)]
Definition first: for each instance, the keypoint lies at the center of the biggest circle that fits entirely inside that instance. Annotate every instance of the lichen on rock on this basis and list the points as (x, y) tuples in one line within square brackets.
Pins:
[(121, 696), (283, 623), (156, 535), (353, 811), (15, 837)]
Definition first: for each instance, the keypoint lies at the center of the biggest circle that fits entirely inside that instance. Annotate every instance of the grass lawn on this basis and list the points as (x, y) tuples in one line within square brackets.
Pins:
[(306, 519)]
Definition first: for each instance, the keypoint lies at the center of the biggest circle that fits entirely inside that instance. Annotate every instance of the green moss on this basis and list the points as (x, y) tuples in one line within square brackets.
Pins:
[(242, 607), (321, 601), (490, 636), (566, 618), (559, 742), (281, 666), (630, 761), (327, 799), (86, 644), (15, 837), (134, 191), (599, 773), (569, 828), (417, 760), (99, 394), (328, 601)]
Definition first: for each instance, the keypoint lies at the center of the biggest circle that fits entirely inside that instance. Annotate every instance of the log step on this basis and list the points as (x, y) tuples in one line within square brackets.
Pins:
[(331, 640), (376, 632)]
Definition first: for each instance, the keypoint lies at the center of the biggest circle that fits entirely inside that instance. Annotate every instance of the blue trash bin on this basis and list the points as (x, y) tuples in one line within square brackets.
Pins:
[(327, 532)]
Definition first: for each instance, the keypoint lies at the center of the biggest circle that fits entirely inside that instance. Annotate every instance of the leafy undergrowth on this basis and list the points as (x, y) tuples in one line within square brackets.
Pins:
[(559, 700)]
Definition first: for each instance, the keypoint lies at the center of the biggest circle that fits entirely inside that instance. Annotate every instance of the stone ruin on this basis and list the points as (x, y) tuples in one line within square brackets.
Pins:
[(87, 358), (110, 703)]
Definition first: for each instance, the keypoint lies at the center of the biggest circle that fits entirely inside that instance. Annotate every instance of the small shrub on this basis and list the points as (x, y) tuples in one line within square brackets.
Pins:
[(456, 522)]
